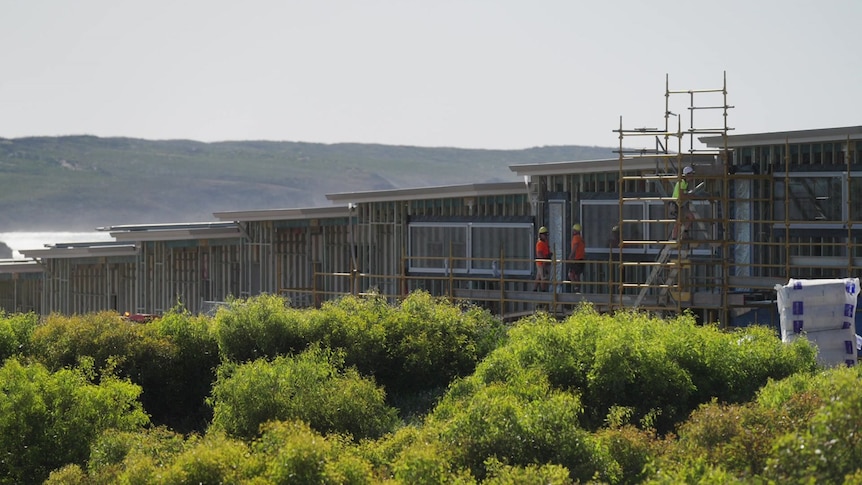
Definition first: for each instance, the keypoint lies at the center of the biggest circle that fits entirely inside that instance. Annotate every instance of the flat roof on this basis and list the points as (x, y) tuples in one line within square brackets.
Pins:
[(284, 214), (82, 250), (819, 135), (606, 165), (438, 192), (164, 226), (12, 266), (174, 231)]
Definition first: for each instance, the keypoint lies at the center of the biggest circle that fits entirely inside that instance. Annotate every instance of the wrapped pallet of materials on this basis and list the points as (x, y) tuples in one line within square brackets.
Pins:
[(824, 313)]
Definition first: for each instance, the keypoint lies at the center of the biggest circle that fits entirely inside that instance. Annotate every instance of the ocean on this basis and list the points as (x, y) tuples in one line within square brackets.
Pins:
[(18, 241)]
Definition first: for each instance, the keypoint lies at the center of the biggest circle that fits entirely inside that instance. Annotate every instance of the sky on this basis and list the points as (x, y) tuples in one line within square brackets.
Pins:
[(492, 74)]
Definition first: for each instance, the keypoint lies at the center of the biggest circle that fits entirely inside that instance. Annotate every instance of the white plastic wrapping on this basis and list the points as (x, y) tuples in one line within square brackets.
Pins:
[(824, 313)]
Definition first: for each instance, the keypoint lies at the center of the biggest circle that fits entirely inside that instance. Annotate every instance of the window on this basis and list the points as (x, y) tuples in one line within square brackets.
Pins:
[(855, 190), (433, 246), (600, 216), (474, 248), (810, 197)]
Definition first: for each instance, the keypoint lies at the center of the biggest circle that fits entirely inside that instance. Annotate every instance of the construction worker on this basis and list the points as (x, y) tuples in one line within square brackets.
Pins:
[(614, 240), (543, 267), (577, 254), (679, 207)]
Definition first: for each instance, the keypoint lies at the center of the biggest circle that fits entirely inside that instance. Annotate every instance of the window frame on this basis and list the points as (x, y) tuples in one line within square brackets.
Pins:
[(841, 223), (469, 266), (645, 227)]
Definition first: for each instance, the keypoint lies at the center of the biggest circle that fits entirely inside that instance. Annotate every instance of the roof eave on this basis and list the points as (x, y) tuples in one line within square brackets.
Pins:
[(781, 137), (13, 266), (439, 192), (599, 166), (80, 252), (284, 214), (177, 234)]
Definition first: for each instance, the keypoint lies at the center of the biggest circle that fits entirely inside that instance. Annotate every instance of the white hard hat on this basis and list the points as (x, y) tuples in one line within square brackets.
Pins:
[(687, 170)]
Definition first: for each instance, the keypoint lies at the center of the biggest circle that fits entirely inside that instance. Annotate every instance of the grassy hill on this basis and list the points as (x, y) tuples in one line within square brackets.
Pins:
[(81, 182)]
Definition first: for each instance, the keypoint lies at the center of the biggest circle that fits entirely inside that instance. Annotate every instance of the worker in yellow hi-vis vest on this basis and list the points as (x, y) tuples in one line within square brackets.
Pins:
[(679, 206)]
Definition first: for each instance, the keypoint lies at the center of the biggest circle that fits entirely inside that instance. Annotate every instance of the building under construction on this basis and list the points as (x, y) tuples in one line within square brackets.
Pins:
[(760, 209)]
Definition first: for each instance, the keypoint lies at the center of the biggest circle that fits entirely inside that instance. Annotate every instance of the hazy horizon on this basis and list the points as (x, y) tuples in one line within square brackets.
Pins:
[(487, 75)]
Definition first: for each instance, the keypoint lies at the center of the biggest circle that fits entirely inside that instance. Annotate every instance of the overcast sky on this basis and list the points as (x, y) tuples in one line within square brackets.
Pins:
[(499, 74)]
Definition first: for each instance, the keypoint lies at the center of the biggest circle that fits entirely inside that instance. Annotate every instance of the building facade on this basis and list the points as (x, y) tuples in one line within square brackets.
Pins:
[(767, 207)]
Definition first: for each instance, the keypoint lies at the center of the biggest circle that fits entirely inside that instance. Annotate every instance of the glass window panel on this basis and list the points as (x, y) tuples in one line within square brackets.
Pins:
[(431, 246), (811, 198), (633, 231), (855, 198), (598, 219), (658, 231), (601, 216), (514, 242)]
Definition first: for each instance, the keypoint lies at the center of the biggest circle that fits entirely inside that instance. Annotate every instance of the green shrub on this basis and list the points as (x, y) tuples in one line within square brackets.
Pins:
[(132, 350), (68, 475), (263, 326), (521, 422), (312, 386), (422, 343), (428, 463), (413, 349), (633, 368), (738, 438), (214, 458), (133, 457), (499, 474), (801, 429), (48, 420), (830, 446), (659, 370), (632, 450), (15, 332), (698, 473), (191, 372), (291, 452), (733, 365), (430, 342), (61, 340), (354, 325)]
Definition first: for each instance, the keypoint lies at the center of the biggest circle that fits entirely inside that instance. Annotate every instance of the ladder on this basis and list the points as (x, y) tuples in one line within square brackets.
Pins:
[(660, 263), (673, 273)]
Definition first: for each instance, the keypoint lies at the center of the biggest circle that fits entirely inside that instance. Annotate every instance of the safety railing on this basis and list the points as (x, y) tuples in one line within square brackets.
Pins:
[(503, 291)]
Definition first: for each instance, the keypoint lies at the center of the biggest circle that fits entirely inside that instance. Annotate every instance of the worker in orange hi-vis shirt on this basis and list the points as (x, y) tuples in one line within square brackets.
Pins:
[(576, 258), (543, 253)]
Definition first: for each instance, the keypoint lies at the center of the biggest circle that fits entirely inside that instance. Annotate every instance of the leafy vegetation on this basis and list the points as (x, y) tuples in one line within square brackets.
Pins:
[(15, 332), (312, 386), (49, 419), (306, 396), (129, 181)]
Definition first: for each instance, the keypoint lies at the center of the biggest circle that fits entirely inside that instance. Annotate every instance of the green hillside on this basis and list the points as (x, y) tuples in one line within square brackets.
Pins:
[(81, 182)]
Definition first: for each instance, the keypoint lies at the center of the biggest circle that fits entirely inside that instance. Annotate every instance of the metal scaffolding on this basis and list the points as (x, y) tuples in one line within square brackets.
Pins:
[(689, 270)]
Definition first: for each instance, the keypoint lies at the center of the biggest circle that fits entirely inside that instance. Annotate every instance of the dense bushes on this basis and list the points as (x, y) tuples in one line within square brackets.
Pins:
[(263, 326), (182, 389), (172, 358), (522, 422), (802, 429), (659, 370), (49, 419), (312, 386), (298, 396), (15, 332), (421, 343)]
